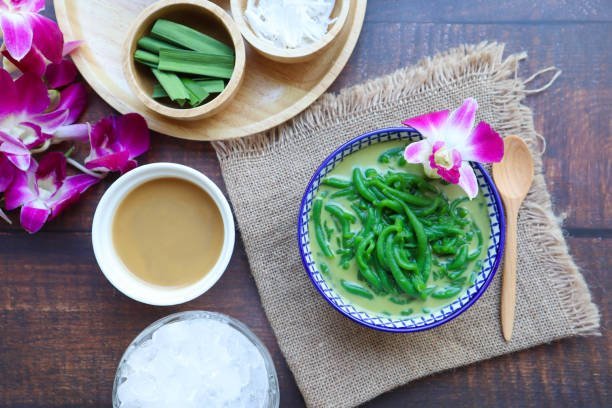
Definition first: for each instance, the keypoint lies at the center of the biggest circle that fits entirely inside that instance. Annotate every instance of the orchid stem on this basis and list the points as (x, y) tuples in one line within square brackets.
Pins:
[(42, 148), (84, 169), (69, 151)]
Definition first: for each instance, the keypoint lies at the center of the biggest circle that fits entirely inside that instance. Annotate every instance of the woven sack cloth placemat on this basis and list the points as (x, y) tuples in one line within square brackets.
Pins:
[(336, 362)]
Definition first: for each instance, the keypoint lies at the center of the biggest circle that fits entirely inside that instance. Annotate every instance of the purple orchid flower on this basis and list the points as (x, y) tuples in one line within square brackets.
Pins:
[(44, 191), (26, 121), (449, 142), (116, 141), (7, 173), (27, 32), (56, 74)]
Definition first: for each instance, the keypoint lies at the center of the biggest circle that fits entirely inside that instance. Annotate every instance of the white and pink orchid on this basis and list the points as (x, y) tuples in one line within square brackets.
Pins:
[(28, 119), (44, 190), (116, 141), (7, 172), (27, 32), (450, 142), (56, 74), (31, 121), (40, 102)]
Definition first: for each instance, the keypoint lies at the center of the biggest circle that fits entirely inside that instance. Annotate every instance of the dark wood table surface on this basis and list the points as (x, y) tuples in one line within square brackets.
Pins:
[(63, 327)]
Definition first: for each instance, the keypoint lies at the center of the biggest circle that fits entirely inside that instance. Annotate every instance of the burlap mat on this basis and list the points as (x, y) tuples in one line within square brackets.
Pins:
[(336, 362)]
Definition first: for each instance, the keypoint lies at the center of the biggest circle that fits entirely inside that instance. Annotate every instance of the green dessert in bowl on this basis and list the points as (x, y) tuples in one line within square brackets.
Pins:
[(391, 248)]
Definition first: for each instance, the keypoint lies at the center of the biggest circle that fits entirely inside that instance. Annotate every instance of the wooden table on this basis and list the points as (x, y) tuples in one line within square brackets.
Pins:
[(63, 327)]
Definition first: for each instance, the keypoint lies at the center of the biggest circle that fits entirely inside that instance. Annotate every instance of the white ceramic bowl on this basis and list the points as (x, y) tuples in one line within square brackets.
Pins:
[(112, 266)]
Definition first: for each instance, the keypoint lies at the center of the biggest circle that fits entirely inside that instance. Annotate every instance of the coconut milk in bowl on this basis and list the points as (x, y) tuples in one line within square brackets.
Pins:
[(163, 234)]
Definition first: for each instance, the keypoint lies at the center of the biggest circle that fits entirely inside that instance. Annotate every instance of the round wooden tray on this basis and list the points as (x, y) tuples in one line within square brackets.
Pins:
[(270, 94)]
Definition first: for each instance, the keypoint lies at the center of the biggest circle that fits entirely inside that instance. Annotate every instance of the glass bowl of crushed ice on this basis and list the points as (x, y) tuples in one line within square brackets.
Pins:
[(196, 359)]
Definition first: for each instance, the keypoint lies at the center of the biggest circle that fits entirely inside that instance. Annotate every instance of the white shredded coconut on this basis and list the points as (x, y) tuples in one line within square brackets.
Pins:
[(289, 23)]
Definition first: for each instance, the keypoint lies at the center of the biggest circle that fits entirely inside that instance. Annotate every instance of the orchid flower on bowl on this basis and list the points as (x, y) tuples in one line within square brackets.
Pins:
[(40, 104), (450, 141)]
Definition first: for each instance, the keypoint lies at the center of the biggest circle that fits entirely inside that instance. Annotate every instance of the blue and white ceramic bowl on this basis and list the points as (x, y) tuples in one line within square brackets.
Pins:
[(404, 324)]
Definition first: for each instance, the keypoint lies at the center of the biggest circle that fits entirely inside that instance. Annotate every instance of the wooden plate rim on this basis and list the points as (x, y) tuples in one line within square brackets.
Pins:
[(230, 132)]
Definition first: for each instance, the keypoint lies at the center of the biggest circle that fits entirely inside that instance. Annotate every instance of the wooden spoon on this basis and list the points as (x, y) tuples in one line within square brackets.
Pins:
[(513, 177)]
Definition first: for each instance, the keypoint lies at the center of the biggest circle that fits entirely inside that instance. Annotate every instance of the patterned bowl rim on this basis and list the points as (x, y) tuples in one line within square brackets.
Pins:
[(447, 318)]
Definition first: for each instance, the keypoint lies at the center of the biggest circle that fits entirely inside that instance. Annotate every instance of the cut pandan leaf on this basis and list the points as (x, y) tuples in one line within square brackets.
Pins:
[(146, 58), (193, 99), (154, 45), (197, 63), (207, 86), (158, 92), (148, 64), (189, 38), (211, 85), (196, 92), (172, 85)]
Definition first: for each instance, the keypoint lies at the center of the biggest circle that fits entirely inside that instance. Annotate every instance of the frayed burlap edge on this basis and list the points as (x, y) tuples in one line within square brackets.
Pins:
[(484, 59)]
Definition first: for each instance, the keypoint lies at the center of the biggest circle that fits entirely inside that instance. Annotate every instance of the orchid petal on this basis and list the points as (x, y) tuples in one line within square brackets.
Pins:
[(34, 137), (21, 161), (134, 135), (417, 152), (74, 99), (119, 161), (61, 73), (484, 145), (467, 180), (103, 138), (32, 94), (33, 216), (22, 189), (17, 33), (16, 152), (7, 173), (76, 132), (47, 37), (116, 141), (80, 182), (449, 173), (429, 172), (460, 122), (31, 6), (9, 94), (51, 171), (71, 190), (50, 122), (70, 46), (33, 62), (429, 125)]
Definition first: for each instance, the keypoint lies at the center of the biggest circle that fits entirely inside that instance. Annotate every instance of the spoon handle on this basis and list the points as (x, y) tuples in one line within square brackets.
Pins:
[(508, 292)]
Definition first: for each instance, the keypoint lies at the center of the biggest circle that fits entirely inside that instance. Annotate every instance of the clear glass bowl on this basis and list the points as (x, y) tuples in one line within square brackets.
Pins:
[(273, 399)]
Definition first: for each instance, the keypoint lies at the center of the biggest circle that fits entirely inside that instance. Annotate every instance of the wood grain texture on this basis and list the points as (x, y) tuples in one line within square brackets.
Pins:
[(513, 177), (63, 327), (270, 93)]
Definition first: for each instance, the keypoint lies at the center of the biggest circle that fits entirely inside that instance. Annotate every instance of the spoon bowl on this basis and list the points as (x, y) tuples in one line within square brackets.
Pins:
[(513, 177)]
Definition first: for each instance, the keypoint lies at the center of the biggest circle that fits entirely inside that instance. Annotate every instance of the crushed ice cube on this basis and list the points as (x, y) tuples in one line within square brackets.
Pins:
[(194, 363)]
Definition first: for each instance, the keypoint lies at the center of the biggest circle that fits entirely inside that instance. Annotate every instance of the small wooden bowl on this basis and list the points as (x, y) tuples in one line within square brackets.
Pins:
[(291, 56), (201, 15)]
